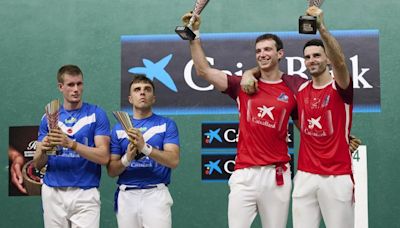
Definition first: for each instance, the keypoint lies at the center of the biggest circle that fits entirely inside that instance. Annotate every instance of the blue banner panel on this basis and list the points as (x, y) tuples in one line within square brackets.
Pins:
[(166, 60)]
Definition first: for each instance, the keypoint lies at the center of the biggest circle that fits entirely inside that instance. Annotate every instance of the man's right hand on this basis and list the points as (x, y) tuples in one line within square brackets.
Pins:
[(196, 24)]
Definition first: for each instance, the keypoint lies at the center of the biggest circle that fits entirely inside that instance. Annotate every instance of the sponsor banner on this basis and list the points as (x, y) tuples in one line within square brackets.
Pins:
[(224, 135), (218, 143), (220, 166), (22, 146), (166, 60)]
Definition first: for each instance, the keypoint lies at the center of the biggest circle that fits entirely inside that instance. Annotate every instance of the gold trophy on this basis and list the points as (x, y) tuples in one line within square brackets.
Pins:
[(308, 24), (124, 119), (185, 32), (52, 111)]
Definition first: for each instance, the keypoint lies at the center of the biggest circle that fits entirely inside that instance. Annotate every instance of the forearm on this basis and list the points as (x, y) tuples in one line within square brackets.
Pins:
[(332, 46), (199, 58), (203, 68), (336, 57), (40, 158), (166, 158), (115, 168), (99, 155)]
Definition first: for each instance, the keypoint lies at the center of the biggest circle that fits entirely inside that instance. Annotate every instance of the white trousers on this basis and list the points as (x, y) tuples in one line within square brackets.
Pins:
[(145, 208), (328, 196), (255, 190), (70, 207)]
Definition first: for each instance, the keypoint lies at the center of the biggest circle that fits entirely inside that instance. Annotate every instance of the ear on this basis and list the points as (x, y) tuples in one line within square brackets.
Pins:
[(60, 86), (281, 53), (154, 100), (130, 100)]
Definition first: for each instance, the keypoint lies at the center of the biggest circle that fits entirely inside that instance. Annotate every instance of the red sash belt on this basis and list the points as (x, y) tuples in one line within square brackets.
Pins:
[(280, 168)]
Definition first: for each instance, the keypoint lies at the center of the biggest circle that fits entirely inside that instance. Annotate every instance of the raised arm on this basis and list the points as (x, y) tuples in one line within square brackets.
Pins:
[(332, 48), (203, 68)]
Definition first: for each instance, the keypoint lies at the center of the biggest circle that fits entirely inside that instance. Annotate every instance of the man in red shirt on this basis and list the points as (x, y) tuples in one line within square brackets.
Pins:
[(323, 184), (261, 181)]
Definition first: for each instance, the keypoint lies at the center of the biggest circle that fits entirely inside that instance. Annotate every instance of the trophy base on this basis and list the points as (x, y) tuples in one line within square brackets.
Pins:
[(308, 25), (185, 33)]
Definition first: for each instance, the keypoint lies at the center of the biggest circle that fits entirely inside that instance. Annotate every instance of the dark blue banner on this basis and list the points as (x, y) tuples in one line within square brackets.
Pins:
[(166, 60)]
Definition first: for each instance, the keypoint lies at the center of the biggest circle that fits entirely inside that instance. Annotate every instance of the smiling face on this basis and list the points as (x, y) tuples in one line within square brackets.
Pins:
[(142, 96), (267, 55), (315, 60), (71, 88)]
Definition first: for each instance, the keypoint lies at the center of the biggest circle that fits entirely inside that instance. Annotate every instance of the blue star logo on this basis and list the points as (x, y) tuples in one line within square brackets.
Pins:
[(211, 135), (211, 166), (156, 70)]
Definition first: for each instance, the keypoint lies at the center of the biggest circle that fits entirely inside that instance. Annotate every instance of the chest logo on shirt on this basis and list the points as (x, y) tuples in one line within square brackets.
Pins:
[(71, 120), (314, 123), (283, 97), (317, 102), (319, 126), (264, 110)]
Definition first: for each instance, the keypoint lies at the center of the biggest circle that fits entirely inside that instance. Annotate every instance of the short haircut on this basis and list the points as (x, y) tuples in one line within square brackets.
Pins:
[(270, 36), (314, 42), (137, 78), (68, 69)]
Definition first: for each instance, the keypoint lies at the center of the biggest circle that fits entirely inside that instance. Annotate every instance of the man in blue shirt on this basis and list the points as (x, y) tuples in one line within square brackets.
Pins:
[(143, 158), (70, 196)]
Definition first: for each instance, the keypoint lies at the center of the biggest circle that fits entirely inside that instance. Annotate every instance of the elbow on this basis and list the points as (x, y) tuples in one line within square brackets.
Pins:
[(200, 73), (104, 160), (174, 164), (111, 173)]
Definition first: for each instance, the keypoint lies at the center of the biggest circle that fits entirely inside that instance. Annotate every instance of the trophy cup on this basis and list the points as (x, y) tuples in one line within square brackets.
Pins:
[(185, 32), (52, 111), (124, 119), (308, 24)]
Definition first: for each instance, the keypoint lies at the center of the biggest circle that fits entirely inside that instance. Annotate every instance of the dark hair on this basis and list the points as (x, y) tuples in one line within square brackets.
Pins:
[(137, 78), (314, 42), (68, 69), (269, 36)]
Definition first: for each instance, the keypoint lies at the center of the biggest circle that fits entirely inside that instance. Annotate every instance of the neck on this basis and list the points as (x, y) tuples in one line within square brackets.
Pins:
[(274, 75), (322, 79), (141, 114), (72, 106)]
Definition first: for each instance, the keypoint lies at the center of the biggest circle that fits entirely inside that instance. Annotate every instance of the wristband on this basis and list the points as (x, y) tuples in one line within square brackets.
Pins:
[(197, 33), (74, 145), (147, 149), (124, 161)]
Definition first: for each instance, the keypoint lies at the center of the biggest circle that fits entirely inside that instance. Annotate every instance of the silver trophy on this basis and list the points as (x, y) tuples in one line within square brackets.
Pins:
[(308, 24), (185, 32), (52, 112)]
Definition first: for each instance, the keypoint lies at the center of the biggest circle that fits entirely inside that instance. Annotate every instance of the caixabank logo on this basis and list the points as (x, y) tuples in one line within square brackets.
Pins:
[(220, 166), (219, 135), (217, 167), (224, 135)]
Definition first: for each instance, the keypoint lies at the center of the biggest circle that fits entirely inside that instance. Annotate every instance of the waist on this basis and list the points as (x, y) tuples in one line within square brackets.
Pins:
[(124, 187)]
